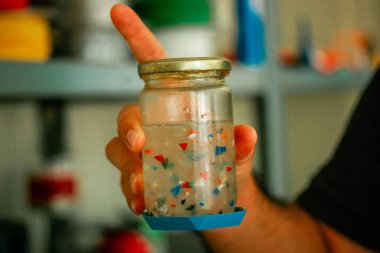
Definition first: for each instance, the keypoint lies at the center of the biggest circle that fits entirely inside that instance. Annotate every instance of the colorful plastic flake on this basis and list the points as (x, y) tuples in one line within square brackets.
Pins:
[(186, 185), (203, 174), (191, 207), (220, 150), (160, 158), (196, 157), (148, 151), (183, 146), (166, 164), (192, 136), (175, 190), (224, 135), (216, 191)]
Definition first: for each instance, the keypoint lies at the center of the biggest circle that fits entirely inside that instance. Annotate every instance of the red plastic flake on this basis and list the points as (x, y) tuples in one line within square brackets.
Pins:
[(229, 168), (186, 185), (174, 205), (160, 158), (148, 151), (224, 136), (204, 175), (191, 132), (183, 146)]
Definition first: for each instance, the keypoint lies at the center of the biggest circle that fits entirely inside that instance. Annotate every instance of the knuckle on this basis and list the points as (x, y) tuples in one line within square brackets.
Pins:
[(128, 111), (110, 147)]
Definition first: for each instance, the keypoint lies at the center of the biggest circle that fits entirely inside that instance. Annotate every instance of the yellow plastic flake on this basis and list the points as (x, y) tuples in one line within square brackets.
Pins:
[(24, 35)]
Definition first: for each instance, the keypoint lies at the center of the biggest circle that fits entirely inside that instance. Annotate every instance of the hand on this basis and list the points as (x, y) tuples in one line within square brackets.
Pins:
[(124, 151)]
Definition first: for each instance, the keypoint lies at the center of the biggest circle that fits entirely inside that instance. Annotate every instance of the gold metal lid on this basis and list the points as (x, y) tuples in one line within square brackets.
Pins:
[(184, 64)]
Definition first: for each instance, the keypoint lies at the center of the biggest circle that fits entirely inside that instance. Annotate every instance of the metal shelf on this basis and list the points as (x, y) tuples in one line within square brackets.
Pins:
[(70, 79), (67, 79), (305, 81)]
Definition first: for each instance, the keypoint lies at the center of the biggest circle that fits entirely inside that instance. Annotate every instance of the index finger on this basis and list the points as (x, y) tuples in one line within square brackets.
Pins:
[(142, 42)]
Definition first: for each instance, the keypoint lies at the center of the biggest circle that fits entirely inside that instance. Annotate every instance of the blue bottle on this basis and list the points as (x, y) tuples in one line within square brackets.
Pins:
[(251, 40)]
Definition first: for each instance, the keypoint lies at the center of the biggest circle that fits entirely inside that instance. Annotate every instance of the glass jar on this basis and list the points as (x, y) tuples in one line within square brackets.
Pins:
[(188, 157)]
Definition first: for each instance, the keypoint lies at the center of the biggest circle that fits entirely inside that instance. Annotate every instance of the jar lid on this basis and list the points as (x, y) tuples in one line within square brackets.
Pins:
[(184, 64)]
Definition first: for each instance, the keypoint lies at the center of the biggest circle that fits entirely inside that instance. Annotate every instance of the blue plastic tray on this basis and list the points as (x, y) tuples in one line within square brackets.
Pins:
[(196, 222)]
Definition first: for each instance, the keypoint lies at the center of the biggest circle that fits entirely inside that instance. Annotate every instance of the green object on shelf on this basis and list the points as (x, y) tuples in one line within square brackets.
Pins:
[(163, 13)]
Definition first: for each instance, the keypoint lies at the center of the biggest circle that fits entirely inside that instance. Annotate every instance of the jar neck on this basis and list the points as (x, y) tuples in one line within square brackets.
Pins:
[(184, 80)]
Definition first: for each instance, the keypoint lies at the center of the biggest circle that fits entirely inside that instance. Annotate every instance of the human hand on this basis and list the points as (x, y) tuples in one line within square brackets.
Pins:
[(124, 151)]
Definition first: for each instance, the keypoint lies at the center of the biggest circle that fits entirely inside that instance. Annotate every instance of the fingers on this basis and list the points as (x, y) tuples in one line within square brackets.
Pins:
[(130, 165), (132, 184), (129, 128), (245, 143), (142, 42), (115, 152)]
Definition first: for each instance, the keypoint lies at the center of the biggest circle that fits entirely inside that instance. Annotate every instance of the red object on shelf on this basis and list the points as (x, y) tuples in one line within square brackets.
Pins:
[(126, 242), (49, 186), (7, 5)]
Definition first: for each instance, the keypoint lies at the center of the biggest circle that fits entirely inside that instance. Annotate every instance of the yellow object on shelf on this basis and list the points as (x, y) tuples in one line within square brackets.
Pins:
[(24, 36)]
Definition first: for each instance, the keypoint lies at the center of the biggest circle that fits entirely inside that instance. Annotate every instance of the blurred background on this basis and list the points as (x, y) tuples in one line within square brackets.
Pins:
[(298, 70)]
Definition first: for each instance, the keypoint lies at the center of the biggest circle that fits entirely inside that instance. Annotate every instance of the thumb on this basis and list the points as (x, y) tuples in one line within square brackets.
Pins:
[(245, 143)]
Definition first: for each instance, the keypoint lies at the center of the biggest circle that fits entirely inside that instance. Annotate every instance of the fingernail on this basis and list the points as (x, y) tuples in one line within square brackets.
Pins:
[(132, 138), (133, 183), (133, 206)]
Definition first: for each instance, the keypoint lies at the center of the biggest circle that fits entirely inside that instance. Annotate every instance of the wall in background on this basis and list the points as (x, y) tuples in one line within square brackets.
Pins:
[(316, 122), (326, 17), (315, 126), (19, 155)]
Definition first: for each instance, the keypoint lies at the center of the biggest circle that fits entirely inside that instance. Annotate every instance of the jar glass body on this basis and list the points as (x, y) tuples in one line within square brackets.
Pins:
[(188, 157)]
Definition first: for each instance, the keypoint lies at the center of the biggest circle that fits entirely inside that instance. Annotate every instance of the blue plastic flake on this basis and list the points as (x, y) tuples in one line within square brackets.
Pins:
[(175, 190), (216, 191), (220, 150), (201, 203), (232, 203)]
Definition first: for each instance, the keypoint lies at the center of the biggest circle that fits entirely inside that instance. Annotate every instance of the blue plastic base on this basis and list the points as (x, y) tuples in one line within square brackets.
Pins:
[(196, 222)]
